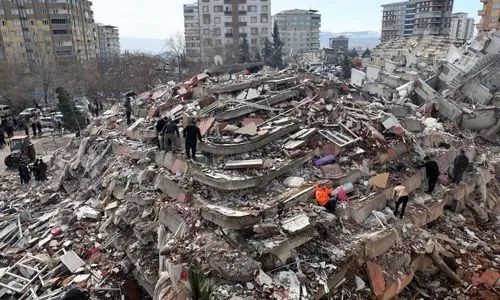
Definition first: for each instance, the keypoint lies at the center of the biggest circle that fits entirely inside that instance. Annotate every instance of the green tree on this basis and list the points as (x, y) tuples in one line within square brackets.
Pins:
[(244, 51), (72, 118), (366, 54), (346, 67), (267, 50), (353, 53), (278, 47)]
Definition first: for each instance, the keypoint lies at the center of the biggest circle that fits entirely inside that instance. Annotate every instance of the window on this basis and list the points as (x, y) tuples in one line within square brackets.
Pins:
[(217, 32), (255, 31), (14, 11), (43, 11), (32, 22), (30, 11), (19, 34), (252, 8), (45, 22), (205, 9), (2, 12), (264, 30), (264, 8), (496, 5), (217, 20), (263, 19), (16, 22), (206, 31), (2, 22), (253, 19), (218, 9), (254, 42), (59, 31), (206, 19), (58, 21)]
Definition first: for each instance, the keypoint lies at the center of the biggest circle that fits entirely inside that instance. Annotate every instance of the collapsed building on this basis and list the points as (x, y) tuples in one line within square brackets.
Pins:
[(119, 217)]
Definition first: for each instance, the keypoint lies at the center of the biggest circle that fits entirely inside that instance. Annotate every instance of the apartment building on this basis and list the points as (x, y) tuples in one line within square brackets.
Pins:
[(340, 43), (416, 17), (108, 42), (299, 30), (462, 27), (490, 16), (222, 24), (192, 31), (63, 29)]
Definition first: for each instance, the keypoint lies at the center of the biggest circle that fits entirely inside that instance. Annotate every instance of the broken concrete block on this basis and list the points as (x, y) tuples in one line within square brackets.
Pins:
[(250, 129), (332, 171), (380, 180), (296, 223), (244, 164), (263, 279), (376, 277), (72, 261), (294, 181), (229, 218)]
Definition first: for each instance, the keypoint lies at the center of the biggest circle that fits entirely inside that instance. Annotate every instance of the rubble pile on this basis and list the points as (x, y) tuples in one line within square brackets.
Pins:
[(119, 217)]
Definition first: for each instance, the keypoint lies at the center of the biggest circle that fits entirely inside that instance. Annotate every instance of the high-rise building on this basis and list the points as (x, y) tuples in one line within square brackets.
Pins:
[(462, 27), (490, 16), (340, 43), (192, 31), (218, 27), (420, 17), (59, 28), (108, 42), (299, 30)]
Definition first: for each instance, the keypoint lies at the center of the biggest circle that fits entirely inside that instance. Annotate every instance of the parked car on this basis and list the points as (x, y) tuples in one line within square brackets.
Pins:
[(47, 122), (29, 112), (5, 111)]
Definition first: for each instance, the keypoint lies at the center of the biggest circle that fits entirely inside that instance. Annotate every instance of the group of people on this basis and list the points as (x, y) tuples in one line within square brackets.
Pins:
[(38, 169), (167, 133), (328, 197)]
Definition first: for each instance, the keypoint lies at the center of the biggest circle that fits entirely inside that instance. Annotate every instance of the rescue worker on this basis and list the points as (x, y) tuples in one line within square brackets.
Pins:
[(401, 197), (324, 198), (170, 132), (128, 110), (460, 164), (159, 128), (432, 173), (42, 169), (35, 169), (191, 135), (24, 173), (33, 125)]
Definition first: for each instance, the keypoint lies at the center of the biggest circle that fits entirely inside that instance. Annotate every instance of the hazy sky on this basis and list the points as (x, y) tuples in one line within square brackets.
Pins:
[(161, 18)]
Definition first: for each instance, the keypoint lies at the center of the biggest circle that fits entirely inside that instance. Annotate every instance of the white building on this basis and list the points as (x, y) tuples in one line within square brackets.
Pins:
[(108, 42), (299, 30), (222, 25), (192, 31), (462, 27)]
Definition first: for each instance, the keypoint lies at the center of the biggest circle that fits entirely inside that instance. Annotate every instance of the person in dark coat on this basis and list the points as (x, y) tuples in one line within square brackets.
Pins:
[(35, 169), (159, 128), (2, 138), (191, 135), (42, 170), (432, 173), (170, 133), (25, 126), (33, 125), (128, 110), (24, 173), (460, 164)]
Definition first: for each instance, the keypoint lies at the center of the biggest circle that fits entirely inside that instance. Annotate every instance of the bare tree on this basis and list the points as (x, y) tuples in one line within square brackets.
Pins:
[(15, 85), (44, 66), (176, 47)]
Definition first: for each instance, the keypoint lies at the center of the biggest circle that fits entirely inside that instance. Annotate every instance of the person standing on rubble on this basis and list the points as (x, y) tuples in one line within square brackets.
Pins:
[(170, 135), (33, 125), (159, 128), (191, 135), (24, 173), (401, 197), (128, 110), (460, 164), (431, 172), (42, 170)]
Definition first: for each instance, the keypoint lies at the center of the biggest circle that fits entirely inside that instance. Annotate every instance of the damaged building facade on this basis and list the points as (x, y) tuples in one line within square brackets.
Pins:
[(119, 217)]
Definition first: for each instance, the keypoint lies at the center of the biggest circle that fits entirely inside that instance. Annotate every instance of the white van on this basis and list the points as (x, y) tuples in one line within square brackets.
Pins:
[(5, 111)]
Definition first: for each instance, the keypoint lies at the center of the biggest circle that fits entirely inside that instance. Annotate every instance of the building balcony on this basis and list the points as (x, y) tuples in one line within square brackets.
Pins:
[(484, 1), (239, 1), (481, 12), (241, 13)]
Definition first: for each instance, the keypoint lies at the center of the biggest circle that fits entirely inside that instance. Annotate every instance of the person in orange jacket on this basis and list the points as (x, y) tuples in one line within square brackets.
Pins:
[(324, 198)]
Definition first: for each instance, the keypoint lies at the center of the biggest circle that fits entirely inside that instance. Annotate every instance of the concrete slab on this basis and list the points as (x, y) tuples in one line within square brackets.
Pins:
[(230, 218)]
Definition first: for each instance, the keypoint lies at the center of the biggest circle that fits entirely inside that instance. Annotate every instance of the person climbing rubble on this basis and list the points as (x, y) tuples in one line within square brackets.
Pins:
[(191, 136), (431, 172), (325, 199), (460, 164), (128, 110), (401, 196), (170, 134), (159, 128)]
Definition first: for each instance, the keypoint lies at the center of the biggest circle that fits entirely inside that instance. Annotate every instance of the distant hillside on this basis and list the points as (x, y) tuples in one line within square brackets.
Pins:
[(358, 39), (153, 46)]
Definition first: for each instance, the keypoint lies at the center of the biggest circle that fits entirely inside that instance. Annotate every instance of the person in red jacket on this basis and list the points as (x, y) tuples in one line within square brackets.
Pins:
[(324, 198)]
